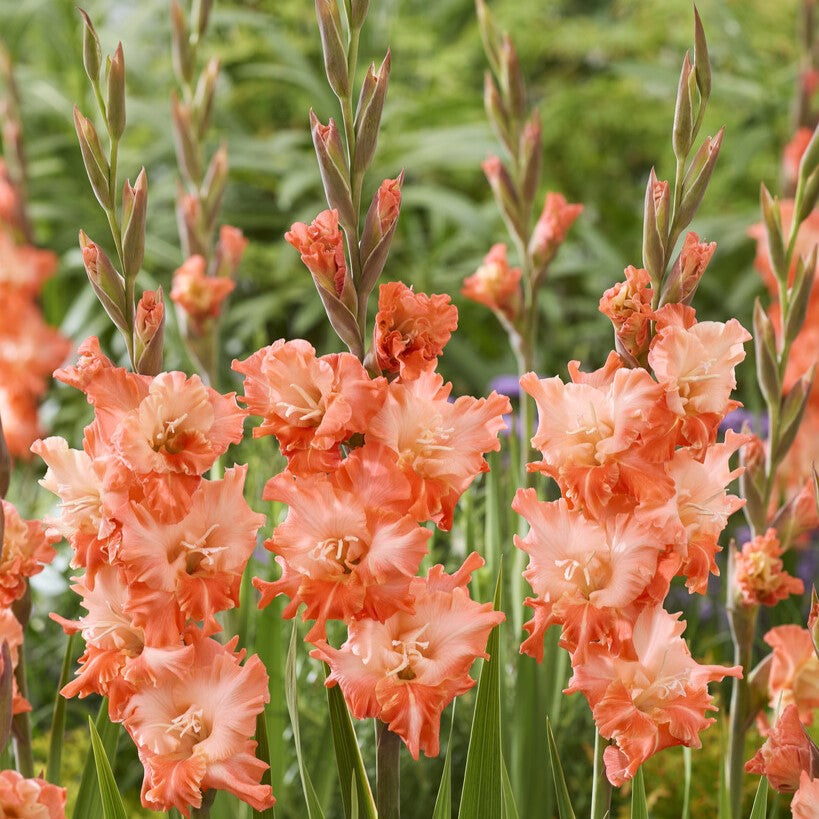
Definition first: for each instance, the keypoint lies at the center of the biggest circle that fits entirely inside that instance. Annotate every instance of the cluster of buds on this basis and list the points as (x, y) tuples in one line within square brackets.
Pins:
[(29, 348), (142, 324), (206, 278), (162, 551), (511, 292), (370, 459)]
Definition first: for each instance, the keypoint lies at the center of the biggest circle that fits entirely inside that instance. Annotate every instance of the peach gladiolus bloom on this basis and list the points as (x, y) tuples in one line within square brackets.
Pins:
[(30, 798), (310, 404), (11, 632), (583, 573), (321, 246), (794, 676), (792, 155), (198, 562), (759, 575), (347, 547), (805, 802), (199, 295), (628, 305), (24, 268), (495, 284), (703, 505), (786, 753), (192, 733), (439, 445), (603, 443), (118, 653), (654, 700), (406, 670), (695, 362), (553, 224), (411, 329), (26, 550)]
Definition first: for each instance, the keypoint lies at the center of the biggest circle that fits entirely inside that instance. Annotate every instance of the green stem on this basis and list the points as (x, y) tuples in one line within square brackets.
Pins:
[(388, 772), (601, 787), (21, 725)]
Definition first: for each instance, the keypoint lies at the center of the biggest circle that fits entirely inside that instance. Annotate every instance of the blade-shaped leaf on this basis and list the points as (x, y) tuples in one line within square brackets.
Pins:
[(443, 802), (55, 745), (639, 807), (314, 810), (263, 753), (348, 757), (112, 807), (88, 804), (760, 808), (6, 696), (564, 803), (510, 808), (482, 795)]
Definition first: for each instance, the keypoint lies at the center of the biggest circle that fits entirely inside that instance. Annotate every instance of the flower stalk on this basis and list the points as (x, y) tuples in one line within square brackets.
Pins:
[(388, 772)]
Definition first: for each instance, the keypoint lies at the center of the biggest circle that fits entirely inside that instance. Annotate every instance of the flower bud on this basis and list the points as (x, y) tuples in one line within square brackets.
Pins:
[(511, 79), (187, 149), (800, 295), (200, 296), (793, 410), (229, 251), (189, 222), (773, 230), (688, 269), (653, 240), (697, 178), (554, 222), (702, 62), (334, 171), (204, 15), (358, 12), (531, 155), (91, 52), (133, 238), (496, 284), (105, 281), (369, 121), (181, 47), (335, 54), (496, 112), (321, 246), (379, 227), (506, 194), (491, 36), (214, 184), (149, 329), (115, 109), (96, 165), (682, 133), (203, 98), (767, 368)]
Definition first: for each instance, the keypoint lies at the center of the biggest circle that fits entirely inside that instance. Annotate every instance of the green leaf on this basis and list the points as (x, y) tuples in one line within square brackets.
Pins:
[(6, 695), (314, 810), (88, 804), (482, 795), (112, 807), (510, 808), (639, 808), (443, 802), (55, 744), (348, 757), (263, 753), (564, 804), (760, 808)]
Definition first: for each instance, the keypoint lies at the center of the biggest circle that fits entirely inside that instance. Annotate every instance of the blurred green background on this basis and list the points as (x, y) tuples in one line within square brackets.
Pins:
[(604, 75)]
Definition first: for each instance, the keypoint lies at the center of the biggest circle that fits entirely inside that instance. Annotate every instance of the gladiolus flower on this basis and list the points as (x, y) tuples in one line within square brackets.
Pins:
[(628, 305), (11, 633), (406, 670), (687, 271), (759, 576), (23, 268), (794, 677), (321, 246), (654, 701), (347, 547), (388, 204), (495, 284), (229, 251), (787, 753), (439, 445), (552, 226), (30, 798), (805, 802), (199, 295), (192, 733), (411, 329), (26, 550), (695, 362), (310, 404), (583, 573)]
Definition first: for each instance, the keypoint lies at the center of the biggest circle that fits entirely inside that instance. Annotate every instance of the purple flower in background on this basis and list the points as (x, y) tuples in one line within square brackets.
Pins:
[(738, 418)]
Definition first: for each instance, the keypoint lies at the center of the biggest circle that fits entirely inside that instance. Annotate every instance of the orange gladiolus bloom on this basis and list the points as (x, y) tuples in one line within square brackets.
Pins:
[(30, 798), (759, 576), (495, 284), (794, 676)]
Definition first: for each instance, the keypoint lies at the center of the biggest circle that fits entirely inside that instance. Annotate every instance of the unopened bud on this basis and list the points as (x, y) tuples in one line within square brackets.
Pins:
[(767, 367), (335, 54), (702, 62), (531, 155), (215, 184), (653, 241), (379, 227), (115, 109), (557, 216), (204, 16), (505, 192), (149, 329), (491, 36), (773, 229), (333, 168), (181, 47), (91, 52), (133, 239), (187, 149), (105, 281), (189, 223), (683, 113), (497, 114), (511, 79), (697, 179), (799, 296), (807, 194), (370, 119), (229, 251), (358, 13), (793, 410), (688, 269), (96, 165), (204, 96)]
